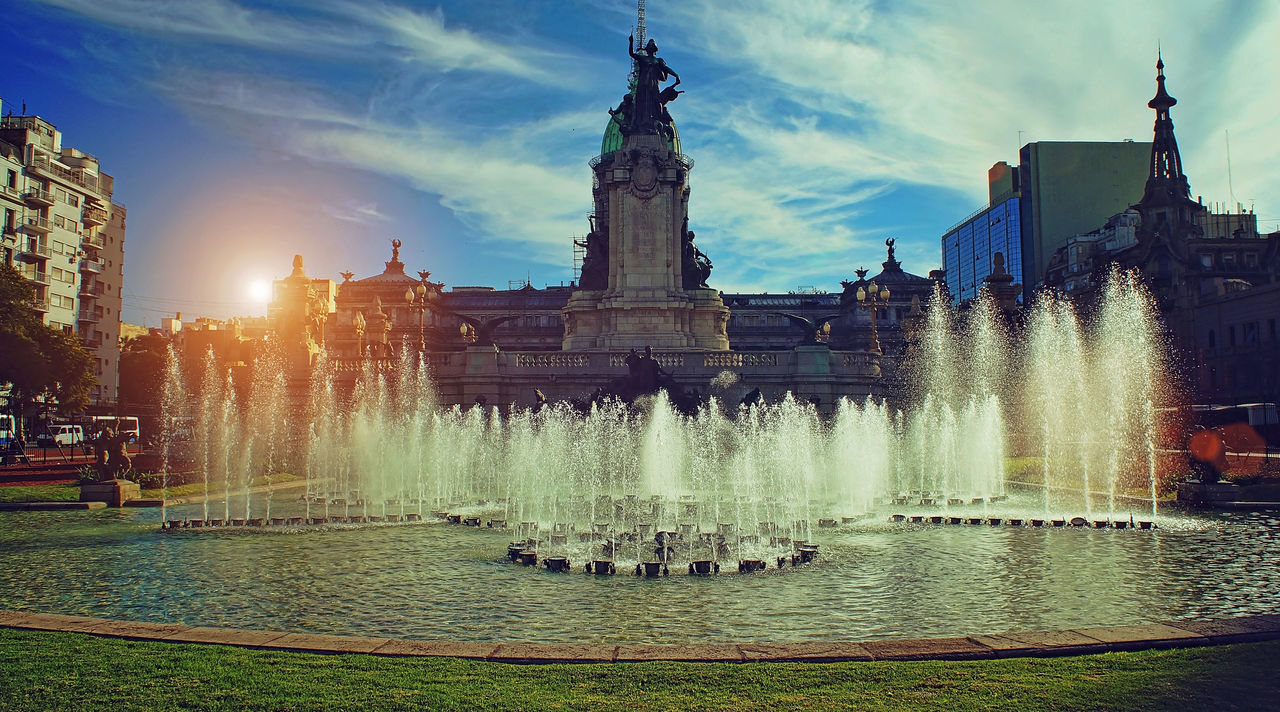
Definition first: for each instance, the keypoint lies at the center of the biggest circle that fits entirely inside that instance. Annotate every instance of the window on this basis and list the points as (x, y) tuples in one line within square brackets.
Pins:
[(13, 179), (1249, 333), (1251, 260), (73, 200), (1213, 339), (1206, 261)]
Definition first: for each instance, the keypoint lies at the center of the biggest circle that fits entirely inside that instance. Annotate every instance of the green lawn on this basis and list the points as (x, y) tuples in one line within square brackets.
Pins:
[(64, 671), (40, 493)]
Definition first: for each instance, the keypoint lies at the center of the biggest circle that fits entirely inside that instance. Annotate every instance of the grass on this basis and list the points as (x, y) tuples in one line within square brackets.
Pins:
[(53, 671), (40, 493)]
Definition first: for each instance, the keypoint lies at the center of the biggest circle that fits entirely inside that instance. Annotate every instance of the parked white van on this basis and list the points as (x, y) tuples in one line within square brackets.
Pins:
[(61, 435)]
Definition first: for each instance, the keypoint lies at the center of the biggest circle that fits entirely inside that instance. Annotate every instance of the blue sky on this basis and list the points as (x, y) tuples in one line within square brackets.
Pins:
[(241, 133)]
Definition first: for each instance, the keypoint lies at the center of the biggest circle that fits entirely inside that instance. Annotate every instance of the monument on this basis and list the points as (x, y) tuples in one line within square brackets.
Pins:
[(644, 282), (644, 287)]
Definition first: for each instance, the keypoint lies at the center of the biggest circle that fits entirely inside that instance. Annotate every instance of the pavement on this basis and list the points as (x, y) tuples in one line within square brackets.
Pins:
[(1076, 641)]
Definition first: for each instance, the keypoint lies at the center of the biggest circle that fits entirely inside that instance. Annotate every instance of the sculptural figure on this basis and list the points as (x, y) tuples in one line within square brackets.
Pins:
[(595, 265), (648, 106), (695, 266)]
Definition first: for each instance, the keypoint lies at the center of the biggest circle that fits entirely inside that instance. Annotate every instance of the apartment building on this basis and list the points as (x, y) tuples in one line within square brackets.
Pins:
[(63, 231)]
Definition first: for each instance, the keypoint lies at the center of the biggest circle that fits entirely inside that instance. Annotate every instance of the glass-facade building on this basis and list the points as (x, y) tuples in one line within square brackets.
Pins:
[(968, 248)]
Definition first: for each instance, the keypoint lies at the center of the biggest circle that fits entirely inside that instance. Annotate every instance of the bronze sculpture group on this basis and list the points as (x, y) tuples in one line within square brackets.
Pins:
[(111, 454)]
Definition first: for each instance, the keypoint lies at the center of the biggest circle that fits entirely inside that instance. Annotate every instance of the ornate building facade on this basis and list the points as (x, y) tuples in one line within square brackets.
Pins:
[(1210, 273)]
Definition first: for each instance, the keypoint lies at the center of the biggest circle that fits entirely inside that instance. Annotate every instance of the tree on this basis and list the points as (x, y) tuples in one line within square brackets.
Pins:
[(143, 368), (38, 361)]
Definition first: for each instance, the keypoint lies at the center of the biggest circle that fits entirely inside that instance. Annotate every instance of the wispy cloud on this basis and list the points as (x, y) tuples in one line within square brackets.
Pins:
[(806, 119), (359, 213)]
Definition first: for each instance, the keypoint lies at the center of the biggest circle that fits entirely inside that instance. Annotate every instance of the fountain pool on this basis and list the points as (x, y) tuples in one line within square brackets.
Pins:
[(439, 581), (1084, 401)]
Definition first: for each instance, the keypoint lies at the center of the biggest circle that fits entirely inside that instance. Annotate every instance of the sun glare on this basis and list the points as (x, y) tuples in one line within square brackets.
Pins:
[(260, 291)]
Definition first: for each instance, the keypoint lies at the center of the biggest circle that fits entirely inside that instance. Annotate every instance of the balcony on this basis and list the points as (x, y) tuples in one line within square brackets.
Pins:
[(93, 216), (93, 266), (35, 196), (37, 250), (89, 181), (92, 241), (89, 316), (40, 304), (37, 225), (87, 291), (38, 276)]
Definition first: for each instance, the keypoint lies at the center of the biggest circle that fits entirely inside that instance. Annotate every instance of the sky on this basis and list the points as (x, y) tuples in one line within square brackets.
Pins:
[(241, 133)]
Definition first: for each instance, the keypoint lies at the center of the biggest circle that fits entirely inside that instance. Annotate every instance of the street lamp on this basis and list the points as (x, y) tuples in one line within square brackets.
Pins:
[(416, 299), (872, 298), (358, 322)]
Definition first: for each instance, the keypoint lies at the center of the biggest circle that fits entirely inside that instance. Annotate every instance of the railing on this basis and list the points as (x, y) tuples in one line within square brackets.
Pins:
[(40, 304), (671, 360), (739, 360), (89, 316), (35, 195), (35, 248), (38, 224), (88, 181), (551, 360), (18, 122), (38, 276), (97, 216), (92, 241), (95, 266)]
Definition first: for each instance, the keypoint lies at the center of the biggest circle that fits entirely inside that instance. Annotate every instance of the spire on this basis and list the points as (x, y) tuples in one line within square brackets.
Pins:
[(1166, 182)]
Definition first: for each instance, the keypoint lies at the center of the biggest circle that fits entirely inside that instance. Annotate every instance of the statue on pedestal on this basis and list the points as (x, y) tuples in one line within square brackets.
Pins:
[(643, 111)]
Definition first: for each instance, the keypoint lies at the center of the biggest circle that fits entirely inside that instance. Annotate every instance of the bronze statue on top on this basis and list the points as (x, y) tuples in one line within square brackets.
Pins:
[(643, 111)]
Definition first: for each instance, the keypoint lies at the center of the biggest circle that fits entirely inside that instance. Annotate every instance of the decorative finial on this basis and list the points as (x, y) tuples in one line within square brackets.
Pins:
[(423, 274), (861, 272), (346, 276), (395, 250), (889, 243)]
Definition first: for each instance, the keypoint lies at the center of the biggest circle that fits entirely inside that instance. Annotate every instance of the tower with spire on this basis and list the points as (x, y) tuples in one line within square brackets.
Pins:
[(1166, 207)]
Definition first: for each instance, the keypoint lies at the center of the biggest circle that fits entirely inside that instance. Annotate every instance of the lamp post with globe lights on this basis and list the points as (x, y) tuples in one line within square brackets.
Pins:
[(872, 298), (358, 323), (419, 299)]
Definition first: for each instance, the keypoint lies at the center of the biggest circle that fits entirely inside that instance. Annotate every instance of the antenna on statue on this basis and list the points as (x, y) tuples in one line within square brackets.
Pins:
[(640, 37)]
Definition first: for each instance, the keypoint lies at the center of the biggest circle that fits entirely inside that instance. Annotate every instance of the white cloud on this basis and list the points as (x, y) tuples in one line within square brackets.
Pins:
[(355, 212), (804, 118)]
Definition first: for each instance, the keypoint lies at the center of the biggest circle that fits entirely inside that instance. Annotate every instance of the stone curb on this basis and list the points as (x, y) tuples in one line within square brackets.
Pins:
[(28, 506), (1078, 641)]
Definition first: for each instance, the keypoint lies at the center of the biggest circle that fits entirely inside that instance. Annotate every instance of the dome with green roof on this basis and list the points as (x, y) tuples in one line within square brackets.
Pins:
[(612, 140)]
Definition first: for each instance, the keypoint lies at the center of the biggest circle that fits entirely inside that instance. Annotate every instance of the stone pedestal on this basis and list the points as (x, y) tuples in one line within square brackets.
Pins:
[(113, 492), (642, 209), (1198, 493)]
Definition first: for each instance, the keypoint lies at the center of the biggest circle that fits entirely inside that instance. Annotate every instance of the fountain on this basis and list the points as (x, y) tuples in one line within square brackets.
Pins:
[(643, 485)]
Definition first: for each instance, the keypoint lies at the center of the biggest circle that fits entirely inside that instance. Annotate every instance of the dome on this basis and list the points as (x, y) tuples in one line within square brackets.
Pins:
[(612, 140)]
